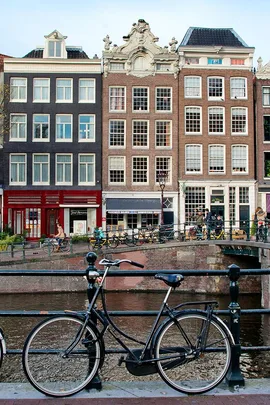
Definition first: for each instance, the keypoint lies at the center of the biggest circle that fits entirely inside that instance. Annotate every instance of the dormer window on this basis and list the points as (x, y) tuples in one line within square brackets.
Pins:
[(54, 48)]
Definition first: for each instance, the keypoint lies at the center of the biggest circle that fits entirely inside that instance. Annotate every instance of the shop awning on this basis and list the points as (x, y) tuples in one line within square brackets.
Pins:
[(133, 205)]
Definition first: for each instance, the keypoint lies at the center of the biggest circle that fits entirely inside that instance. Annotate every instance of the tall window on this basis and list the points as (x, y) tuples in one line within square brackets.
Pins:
[(163, 134), (232, 200), (193, 159), (87, 127), (41, 127), (216, 120), (244, 195), (63, 169), (266, 127), (18, 89), (267, 164), (164, 165), (87, 90), (54, 49), (238, 87), (63, 128), (140, 99), (193, 87), (193, 120), (117, 130), (17, 170), (140, 134), (41, 90), (216, 159), (40, 169), (194, 201), (163, 99), (117, 98), (239, 120), (239, 159), (215, 88), (86, 169), (18, 127), (266, 95), (117, 169), (64, 90), (140, 169)]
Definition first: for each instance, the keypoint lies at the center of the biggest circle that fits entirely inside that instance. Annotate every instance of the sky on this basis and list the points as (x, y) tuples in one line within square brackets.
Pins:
[(86, 22)]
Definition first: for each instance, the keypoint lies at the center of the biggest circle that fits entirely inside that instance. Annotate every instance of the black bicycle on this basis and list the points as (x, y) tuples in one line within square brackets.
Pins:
[(190, 349)]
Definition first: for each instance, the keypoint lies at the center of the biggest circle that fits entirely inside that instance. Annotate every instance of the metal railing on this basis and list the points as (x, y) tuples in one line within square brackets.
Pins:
[(234, 311)]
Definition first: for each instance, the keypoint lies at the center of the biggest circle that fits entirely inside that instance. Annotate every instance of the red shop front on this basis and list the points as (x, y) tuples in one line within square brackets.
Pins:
[(36, 213)]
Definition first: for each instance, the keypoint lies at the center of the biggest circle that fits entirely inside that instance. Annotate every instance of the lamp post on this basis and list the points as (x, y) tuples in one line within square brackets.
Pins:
[(162, 183)]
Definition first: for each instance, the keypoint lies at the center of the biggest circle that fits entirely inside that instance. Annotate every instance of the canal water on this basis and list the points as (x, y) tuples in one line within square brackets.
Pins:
[(255, 329)]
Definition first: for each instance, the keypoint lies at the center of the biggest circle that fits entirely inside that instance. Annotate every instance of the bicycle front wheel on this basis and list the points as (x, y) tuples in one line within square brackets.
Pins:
[(183, 363), (48, 366)]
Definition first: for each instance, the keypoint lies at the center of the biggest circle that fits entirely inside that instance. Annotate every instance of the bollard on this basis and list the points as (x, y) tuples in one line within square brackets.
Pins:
[(235, 376), (91, 257)]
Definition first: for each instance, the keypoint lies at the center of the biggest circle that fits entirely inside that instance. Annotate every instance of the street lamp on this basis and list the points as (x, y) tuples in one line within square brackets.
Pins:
[(162, 176)]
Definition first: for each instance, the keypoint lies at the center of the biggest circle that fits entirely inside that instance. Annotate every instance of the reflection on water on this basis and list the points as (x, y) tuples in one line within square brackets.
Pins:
[(254, 329)]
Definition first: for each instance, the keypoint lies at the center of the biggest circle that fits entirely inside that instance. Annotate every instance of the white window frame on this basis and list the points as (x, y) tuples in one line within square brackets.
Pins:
[(200, 150), (157, 99), (90, 125), (64, 99), (42, 99), (146, 133), (246, 115), (164, 135), (40, 183), (87, 182), (142, 170), (265, 95), (18, 99), (115, 133), (88, 99), (111, 163), (235, 172), (18, 125), (214, 158), (186, 86), (18, 183), (199, 109), (133, 99), (216, 98), (234, 89), (121, 97), (168, 171), (222, 109), (55, 43), (64, 183), (34, 124), (64, 139)]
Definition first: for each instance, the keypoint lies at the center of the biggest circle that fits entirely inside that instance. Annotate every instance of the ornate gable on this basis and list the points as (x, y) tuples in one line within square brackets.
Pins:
[(55, 46), (263, 72), (140, 55)]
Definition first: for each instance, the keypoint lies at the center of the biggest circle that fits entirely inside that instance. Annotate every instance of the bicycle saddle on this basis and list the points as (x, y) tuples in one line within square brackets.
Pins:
[(172, 280)]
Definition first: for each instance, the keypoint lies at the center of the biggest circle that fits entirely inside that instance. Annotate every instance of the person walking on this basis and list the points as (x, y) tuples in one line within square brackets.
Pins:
[(218, 225), (200, 220), (210, 220)]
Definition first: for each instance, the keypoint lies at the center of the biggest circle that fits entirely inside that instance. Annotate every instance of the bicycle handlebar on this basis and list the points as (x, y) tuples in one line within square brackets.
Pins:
[(109, 263)]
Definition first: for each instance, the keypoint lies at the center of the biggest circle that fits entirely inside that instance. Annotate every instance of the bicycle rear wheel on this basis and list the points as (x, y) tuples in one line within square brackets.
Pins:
[(47, 367), (183, 365), (65, 246)]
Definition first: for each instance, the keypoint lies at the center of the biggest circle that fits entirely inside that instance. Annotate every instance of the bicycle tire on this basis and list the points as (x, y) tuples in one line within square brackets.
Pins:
[(46, 247), (1, 353), (65, 246), (43, 362), (114, 242), (189, 372)]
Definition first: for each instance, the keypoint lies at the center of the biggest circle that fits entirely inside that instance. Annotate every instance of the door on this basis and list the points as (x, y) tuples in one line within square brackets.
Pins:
[(244, 217), (51, 221), (168, 217), (218, 210)]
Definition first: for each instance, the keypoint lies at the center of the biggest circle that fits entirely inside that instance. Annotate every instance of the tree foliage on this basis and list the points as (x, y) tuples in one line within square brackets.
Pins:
[(4, 116)]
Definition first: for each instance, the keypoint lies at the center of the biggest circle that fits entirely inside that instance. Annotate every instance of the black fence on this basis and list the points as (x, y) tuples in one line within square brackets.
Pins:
[(234, 311)]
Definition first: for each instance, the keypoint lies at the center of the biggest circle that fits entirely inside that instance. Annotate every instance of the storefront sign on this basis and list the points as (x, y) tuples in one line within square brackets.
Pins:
[(78, 212)]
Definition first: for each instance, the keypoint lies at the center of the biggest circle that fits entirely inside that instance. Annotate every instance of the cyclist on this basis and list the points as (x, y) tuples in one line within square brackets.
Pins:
[(99, 235), (60, 236), (210, 220), (218, 225)]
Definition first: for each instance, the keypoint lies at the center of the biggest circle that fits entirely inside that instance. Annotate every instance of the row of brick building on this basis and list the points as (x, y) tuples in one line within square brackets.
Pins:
[(85, 140)]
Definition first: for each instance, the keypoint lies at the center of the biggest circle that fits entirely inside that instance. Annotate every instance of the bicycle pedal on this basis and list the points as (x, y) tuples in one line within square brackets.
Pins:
[(121, 360)]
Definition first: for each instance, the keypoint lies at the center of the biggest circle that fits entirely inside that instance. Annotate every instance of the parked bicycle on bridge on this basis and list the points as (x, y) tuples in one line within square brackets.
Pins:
[(190, 349)]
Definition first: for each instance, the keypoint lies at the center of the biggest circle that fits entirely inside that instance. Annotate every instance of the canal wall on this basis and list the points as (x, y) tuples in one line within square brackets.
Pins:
[(186, 256)]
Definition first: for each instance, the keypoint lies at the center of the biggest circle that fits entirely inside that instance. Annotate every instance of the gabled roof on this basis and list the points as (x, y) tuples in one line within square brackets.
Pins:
[(72, 53), (198, 36)]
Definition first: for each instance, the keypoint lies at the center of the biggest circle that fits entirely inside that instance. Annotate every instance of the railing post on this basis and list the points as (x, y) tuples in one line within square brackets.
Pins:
[(23, 250), (91, 258), (12, 250), (230, 232), (71, 246), (235, 376)]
